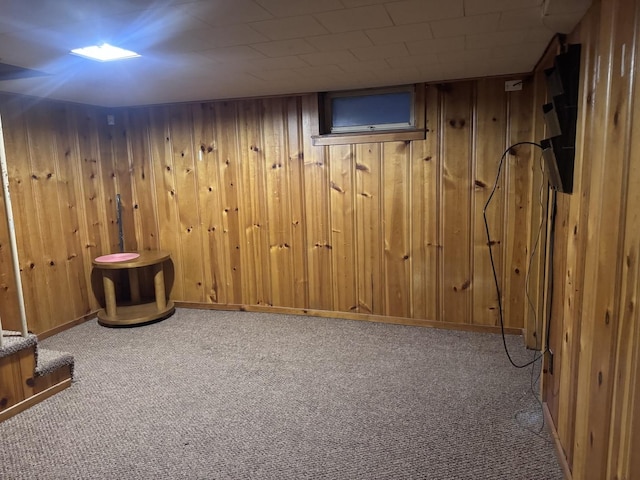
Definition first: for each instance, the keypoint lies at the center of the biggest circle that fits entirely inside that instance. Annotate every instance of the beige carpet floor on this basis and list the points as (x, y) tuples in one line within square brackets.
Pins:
[(234, 395)]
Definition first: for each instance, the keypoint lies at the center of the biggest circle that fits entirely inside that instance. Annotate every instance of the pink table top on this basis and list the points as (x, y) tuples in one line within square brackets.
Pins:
[(117, 257)]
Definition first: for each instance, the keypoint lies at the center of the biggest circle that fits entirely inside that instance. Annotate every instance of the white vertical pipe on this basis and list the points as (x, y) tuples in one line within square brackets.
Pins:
[(12, 232)]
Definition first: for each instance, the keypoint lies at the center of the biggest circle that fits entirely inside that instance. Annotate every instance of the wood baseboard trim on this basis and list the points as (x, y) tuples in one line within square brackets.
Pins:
[(67, 326), (562, 458), (33, 400), (350, 316), (367, 317)]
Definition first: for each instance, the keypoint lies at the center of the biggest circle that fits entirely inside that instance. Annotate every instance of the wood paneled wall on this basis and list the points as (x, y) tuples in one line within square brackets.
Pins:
[(255, 215), (595, 326)]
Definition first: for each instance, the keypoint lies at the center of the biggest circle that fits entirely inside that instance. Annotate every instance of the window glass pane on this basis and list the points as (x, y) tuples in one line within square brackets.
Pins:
[(364, 110)]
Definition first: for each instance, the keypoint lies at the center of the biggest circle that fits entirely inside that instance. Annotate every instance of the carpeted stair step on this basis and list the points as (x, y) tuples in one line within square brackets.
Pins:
[(13, 342), (48, 361), (32, 373)]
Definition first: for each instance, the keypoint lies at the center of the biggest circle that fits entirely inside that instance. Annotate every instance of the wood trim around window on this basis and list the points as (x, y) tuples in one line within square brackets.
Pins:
[(419, 132)]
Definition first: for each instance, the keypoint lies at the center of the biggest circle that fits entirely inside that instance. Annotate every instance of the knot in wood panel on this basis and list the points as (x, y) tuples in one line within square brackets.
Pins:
[(463, 287), (280, 246), (336, 187)]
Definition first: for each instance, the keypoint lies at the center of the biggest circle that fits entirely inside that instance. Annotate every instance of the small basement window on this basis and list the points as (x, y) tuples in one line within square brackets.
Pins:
[(375, 115)]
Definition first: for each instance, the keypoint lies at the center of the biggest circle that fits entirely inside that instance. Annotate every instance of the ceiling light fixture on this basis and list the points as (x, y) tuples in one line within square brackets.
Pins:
[(104, 53)]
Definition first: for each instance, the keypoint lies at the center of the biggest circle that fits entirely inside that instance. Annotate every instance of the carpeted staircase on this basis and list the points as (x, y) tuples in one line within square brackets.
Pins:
[(29, 374)]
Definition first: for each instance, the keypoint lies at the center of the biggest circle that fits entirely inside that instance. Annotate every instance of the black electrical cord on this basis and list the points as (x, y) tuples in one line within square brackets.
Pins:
[(518, 415), (493, 265)]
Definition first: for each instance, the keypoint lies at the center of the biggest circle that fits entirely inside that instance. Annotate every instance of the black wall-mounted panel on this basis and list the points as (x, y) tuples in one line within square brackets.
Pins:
[(561, 116)]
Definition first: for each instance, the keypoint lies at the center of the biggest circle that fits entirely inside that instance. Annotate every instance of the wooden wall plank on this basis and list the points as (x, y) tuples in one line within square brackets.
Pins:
[(425, 204), (87, 175), (107, 179), (369, 236), (76, 263), (256, 261), (229, 178), (186, 197), (252, 214), (490, 143), (46, 213), (204, 152), (632, 465), (517, 207), (316, 202), (296, 200), (145, 217), (28, 235), (627, 352), (105, 183), (456, 137), (162, 162), (342, 201), (625, 363), (211, 206), (397, 259), (278, 202), (123, 177), (534, 315), (558, 290), (43, 164), (9, 310)]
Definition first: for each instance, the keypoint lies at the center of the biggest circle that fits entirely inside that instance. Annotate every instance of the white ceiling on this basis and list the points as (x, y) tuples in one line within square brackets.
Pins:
[(214, 49)]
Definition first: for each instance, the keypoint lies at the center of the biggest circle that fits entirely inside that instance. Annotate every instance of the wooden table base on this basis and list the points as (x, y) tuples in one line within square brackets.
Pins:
[(138, 310)]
